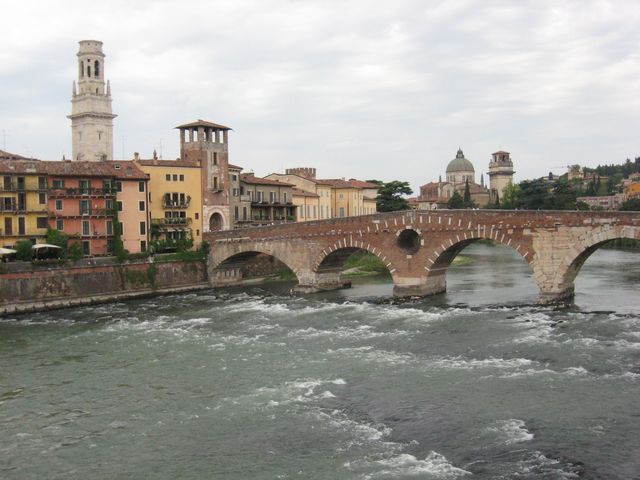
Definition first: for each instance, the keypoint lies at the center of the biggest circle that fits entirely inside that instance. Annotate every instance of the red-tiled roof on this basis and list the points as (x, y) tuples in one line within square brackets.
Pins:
[(341, 183), (432, 184), (235, 167), (253, 180), (169, 163), (21, 166), (124, 169), (303, 193), (204, 123), (361, 184), (12, 156)]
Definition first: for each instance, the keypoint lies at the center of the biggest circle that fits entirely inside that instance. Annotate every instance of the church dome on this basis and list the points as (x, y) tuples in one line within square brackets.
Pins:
[(460, 164)]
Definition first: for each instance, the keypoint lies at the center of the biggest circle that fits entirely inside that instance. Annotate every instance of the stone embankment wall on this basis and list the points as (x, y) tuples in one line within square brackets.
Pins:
[(25, 287)]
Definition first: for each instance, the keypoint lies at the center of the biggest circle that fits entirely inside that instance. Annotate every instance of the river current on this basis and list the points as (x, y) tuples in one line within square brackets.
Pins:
[(478, 383)]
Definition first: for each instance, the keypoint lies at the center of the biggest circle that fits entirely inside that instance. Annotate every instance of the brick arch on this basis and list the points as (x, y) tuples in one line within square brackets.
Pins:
[(576, 257), (441, 258), (343, 249), (224, 257)]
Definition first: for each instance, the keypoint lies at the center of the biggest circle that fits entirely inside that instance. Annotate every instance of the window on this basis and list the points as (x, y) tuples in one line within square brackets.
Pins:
[(168, 177), (119, 205), (308, 212), (109, 204), (120, 228), (115, 165), (234, 192), (285, 197), (215, 183), (272, 197), (236, 212), (314, 212), (234, 178), (215, 158), (260, 196), (41, 222), (42, 183), (109, 227), (60, 224), (341, 211), (143, 228), (85, 227), (141, 186), (175, 177), (118, 186), (58, 183), (84, 187), (197, 216), (42, 198), (86, 247), (85, 207), (143, 246), (301, 211), (141, 206), (244, 213), (342, 195), (181, 178), (197, 233)]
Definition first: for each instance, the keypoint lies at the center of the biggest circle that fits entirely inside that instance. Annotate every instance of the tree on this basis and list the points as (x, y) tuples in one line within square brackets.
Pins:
[(390, 195), (467, 193), (456, 201), (510, 197), (58, 238), (24, 249), (632, 204)]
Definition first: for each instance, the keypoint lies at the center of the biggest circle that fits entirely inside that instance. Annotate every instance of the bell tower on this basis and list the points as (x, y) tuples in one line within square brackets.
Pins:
[(500, 174), (91, 117)]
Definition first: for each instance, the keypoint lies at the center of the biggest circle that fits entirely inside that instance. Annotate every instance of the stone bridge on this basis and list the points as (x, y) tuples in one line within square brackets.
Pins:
[(418, 246)]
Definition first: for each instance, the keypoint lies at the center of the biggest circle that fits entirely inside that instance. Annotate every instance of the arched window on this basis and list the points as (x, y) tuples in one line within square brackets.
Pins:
[(96, 68), (81, 69), (89, 71)]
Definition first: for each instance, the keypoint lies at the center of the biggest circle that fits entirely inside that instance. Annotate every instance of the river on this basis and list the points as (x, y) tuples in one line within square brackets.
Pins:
[(252, 383)]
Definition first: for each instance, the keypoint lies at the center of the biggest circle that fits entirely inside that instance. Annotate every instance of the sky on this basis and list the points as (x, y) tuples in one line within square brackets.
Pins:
[(355, 88)]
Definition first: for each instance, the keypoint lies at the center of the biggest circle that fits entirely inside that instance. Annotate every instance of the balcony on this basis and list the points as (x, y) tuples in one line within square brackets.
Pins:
[(82, 192), (245, 198), (171, 222), (11, 208), (91, 212), (175, 205)]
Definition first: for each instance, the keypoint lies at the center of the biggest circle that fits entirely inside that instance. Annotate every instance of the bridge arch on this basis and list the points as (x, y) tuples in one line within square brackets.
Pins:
[(229, 266), (333, 257), (439, 261), (576, 257)]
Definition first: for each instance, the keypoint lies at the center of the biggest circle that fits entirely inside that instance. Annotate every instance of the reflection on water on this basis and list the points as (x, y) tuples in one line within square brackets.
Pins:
[(253, 383)]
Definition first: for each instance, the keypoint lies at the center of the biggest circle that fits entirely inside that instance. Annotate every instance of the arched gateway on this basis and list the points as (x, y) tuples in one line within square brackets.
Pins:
[(418, 247)]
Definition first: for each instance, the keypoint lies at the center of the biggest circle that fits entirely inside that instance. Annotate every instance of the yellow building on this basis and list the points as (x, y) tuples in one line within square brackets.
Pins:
[(23, 201), (351, 197), (632, 190), (175, 199)]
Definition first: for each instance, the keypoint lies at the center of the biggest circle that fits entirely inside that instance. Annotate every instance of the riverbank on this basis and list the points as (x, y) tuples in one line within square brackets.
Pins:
[(27, 287)]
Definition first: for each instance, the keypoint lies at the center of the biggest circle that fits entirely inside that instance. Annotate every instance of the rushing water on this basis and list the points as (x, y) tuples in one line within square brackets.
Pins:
[(254, 384)]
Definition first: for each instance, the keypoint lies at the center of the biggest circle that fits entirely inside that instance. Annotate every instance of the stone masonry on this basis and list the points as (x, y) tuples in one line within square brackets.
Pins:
[(418, 247)]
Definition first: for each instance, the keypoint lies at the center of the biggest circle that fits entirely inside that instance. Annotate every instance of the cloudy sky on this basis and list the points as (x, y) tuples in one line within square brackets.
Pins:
[(356, 88)]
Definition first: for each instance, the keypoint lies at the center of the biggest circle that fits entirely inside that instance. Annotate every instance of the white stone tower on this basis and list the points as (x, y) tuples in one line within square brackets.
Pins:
[(500, 174), (91, 117)]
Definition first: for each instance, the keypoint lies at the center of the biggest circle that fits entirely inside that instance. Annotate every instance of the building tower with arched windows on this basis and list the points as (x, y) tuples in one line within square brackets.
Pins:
[(500, 174), (91, 117)]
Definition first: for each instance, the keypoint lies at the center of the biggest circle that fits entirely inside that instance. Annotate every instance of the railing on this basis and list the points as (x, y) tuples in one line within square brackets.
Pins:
[(177, 205), (57, 192), (91, 212), (171, 221), (245, 198), (9, 208)]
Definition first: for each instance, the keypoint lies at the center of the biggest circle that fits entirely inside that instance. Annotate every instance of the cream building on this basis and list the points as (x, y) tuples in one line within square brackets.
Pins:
[(91, 116), (500, 174)]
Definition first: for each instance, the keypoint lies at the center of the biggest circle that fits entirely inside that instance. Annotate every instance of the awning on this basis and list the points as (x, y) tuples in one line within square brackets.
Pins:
[(7, 251), (44, 245)]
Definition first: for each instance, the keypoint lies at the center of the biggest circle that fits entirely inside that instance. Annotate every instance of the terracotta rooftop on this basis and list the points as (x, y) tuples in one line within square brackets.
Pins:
[(235, 167), (341, 183), (253, 180), (21, 166), (123, 169), (204, 123), (169, 163), (12, 156), (303, 193)]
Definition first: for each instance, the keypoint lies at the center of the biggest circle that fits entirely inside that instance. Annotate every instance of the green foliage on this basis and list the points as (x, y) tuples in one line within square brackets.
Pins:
[(205, 248), (456, 201), (390, 195), (467, 193), (152, 272), (58, 238), (24, 250), (632, 204), (365, 261), (74, 252), (188, 256), (168, 245), (118, 249), (582, 205)]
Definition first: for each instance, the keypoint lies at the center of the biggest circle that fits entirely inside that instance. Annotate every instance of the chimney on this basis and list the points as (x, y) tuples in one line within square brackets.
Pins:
[(136, 156)]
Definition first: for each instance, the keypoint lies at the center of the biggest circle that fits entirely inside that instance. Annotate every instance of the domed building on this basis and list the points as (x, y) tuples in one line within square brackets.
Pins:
[(460, 170)]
